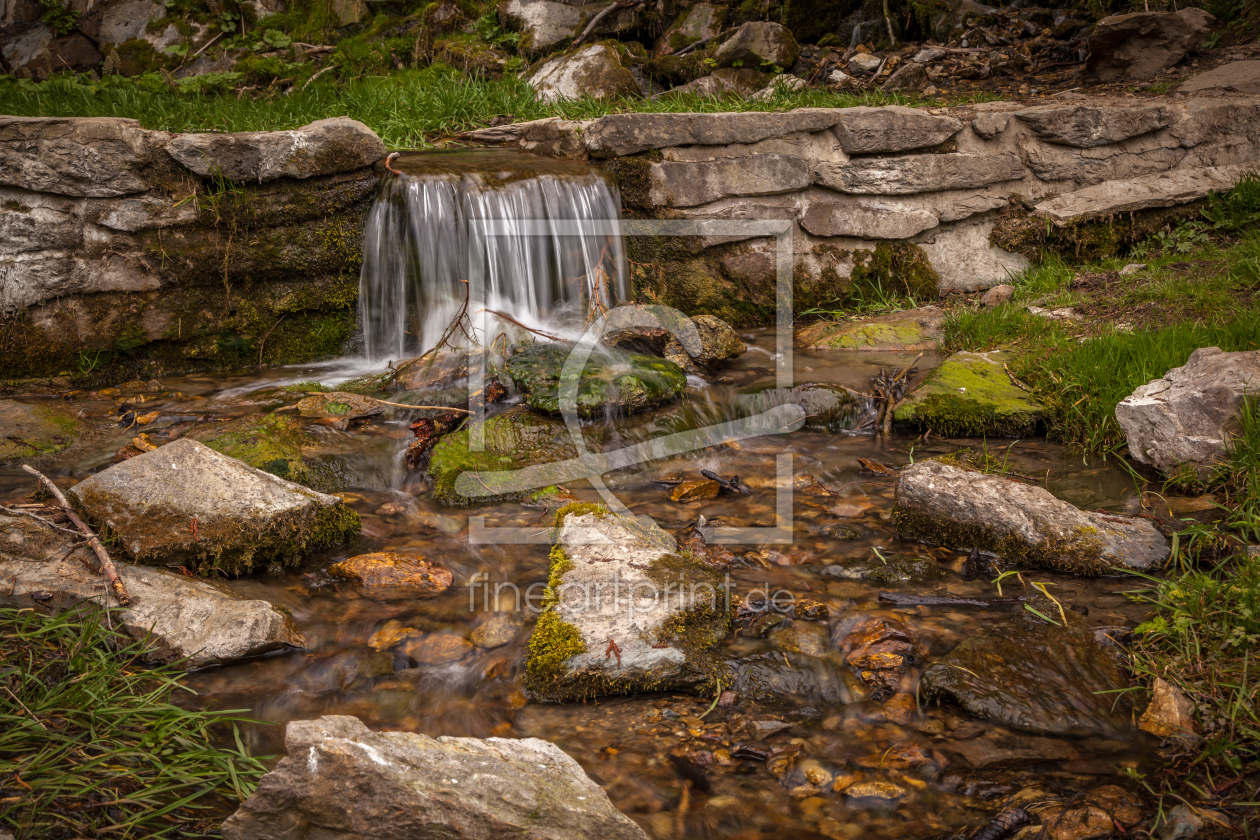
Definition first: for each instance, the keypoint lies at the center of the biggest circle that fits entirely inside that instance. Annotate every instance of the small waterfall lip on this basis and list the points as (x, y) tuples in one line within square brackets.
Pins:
[(535, 238)]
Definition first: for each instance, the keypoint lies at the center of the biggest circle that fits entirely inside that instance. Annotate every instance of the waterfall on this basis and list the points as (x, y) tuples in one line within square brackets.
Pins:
[(553, 245)]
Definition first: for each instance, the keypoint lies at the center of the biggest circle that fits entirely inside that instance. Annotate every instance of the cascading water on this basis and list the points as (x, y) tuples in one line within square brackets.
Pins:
[(540, 238)]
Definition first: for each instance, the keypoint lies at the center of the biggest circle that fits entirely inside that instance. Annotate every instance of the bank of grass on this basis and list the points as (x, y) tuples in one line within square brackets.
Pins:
[(410, 108), (91, 746)]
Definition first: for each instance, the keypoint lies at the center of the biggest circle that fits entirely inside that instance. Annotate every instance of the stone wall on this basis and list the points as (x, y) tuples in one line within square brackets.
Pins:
[(918, 197), (131, 252)]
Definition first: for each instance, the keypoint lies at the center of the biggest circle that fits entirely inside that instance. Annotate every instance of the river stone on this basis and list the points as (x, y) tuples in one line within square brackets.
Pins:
[(610, 577), (244, 518), (512, 440), (593, 71), (891, 128), (964, 509), (33, 430), (920, 173), (610, 380), (694, 344), (718, 344), (1030, 675), (971, 395), (1125, 48), (689, 183), (1188, 416), (1087, 126), (194, 623), (1161, 189), (626, 134), (339, 778), (907, 330), (544, 23), (756, 43), (1236, 76), (93, 157), (324, 147), (378, 570), (497, 630)]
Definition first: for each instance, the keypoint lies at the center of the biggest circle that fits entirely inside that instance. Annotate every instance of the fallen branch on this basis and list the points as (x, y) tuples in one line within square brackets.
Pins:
[(698, 44), (315, 76), (205, 45), (522, 326), (402, 405), (590, 27), (107, 565)]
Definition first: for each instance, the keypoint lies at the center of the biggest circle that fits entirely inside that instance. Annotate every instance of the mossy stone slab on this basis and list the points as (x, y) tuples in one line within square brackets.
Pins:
[(33, 430), (610, 380), (911, 330), (273, 443), (971, 395)]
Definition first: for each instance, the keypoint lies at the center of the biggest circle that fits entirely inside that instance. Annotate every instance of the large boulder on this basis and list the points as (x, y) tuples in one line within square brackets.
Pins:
[(626, 611), (971, 395), (695, 344), (325, 147), (966, 509), (609, 381), (339, 778), (193, 622), (544, 23), (185, 503), (92, 157), (34, 430), (758, 43), (593, 71), (1187, 417), (1030, 675), (1126, 48)]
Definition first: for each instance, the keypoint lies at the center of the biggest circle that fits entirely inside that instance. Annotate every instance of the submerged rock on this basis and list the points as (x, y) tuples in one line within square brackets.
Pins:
[(827, 407), (340, 778), (510, 441), (911, 330), (386, 573), (1033, 676), (946, 505), (33, 430), (1188, 417), (195, 622), (609, 380), (626, 611), (1170, 714), (186, 503), (971, 395)]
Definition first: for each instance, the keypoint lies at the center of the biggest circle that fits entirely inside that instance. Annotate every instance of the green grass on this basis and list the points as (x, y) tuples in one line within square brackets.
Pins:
[(411, 108), (91, 746)]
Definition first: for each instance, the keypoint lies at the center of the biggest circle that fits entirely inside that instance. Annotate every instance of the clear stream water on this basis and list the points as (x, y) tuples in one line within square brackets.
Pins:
[(840, 519)]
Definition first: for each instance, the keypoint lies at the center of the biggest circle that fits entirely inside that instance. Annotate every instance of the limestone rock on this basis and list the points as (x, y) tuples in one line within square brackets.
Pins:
[(909, 76), (197, 621), (611, 575), (324, 147), (1030, 675), (244, 517), (1124, 48), (892, 128), (339, 776), (866, 219), (496, 631), (409, 576), (594, 71), (1236, 76), (757, 43), (95, 157), (1087, 126), (552, 136), (545, 24), (965, 259), (990, 124), (1118, 163), (1187, 417), (826, 407), (971, 394), (702, 21), (34, 430), (687, 184), (920, 173), (1163, 189), (348, 12), (124, 21), (864, 63), (626, 134), (950, 506), (718, 344), (910, 330), (742, 81), (1170, 714)]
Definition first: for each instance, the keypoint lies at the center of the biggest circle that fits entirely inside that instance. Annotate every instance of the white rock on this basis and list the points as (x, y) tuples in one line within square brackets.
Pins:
[(865, 63)]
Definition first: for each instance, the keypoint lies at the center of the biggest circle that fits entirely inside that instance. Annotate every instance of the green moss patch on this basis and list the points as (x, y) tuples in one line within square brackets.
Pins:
[(272, 443), (33, 430), (971, 395), (609, 381)]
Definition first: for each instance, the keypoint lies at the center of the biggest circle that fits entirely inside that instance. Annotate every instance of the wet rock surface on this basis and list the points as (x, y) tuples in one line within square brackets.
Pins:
[(385, 572), (340, 776), (1188, 417), (185, 503), (607, 382), (193, 622), (911, 329), (31, 431), (971, 394), (1022, 523)]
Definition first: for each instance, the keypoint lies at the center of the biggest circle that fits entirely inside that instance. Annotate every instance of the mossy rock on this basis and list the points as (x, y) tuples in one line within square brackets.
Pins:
[(971, 395), (515, 439), (904, 570), (610, 380), (272, 443), (909, 330), (33, 430)]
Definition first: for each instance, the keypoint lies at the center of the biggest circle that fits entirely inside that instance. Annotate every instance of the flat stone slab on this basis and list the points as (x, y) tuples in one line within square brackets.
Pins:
[(324, 147), (1162, 189), (971, 395), (866, 219), (339, 778), (33, 430), (627, 134), (920, 173), (610, 577), (964, 509), (1236, 76), (912, 329), (892, 128), (185, 503), (93, 157), (1187, 417), (1087, 126), (196, 621), (690, 183)]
